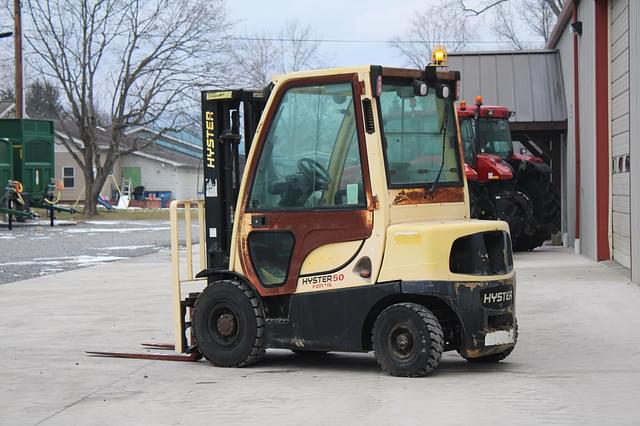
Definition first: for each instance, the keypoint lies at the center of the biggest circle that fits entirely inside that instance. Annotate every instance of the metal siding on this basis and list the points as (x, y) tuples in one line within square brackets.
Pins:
[(565, 62), (619, 104), (505, 78), (471, 80), (587, 62), (540, 91), (556, 91), (488, 80), (504, 75), (634, 68), (523, 105)]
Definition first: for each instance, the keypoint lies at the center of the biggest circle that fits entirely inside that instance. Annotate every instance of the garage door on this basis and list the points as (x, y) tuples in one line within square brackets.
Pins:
[(619, 77)]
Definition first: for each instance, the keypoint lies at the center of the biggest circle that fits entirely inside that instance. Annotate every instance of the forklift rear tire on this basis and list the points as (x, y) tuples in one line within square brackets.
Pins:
[(228, 320), (407, 340)]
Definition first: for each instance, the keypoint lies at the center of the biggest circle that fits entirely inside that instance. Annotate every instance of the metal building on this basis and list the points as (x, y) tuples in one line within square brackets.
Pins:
[(587, 78), (598, 43)]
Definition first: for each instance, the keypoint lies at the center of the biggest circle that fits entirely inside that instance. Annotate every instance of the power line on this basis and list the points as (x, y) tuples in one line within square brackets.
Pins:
[(361, 41)]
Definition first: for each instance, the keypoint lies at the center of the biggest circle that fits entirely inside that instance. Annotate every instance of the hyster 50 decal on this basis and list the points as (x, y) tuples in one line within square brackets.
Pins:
[(322, 281)]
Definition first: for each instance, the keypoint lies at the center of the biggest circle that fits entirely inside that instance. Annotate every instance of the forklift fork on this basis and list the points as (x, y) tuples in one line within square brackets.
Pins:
[(193, 356)]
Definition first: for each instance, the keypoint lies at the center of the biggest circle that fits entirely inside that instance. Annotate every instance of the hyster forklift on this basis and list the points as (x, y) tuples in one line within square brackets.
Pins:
[(349, 228)]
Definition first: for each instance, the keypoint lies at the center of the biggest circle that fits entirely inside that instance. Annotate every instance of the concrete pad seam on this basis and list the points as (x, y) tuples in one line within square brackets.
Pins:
[(101, 388)]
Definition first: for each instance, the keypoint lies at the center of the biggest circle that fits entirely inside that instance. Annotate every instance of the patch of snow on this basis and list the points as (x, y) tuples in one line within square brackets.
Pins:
[(118, 230), (125, 247), (75, 260), (7, 237)]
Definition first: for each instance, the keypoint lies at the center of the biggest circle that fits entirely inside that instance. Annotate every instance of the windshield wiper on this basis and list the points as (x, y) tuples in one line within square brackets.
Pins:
[(443, 129)]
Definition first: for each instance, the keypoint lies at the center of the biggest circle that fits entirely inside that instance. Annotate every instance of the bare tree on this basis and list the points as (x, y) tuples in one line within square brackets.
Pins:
[(504, 25), (261, 55), (538, 16), (255, 59), (541, 16), (42, 100), (6, 47), (443, 24), (142, 62)]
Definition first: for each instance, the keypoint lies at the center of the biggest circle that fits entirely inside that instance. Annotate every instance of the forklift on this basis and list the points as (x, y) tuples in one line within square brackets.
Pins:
[(337, 219), (344, 225)]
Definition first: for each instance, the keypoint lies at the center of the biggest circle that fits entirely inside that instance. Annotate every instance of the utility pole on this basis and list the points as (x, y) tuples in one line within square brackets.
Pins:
[(17, 31)]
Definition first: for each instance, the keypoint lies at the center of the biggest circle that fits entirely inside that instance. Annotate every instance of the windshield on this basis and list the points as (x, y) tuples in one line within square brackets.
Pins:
[(419, 137), (495, 137), (466, 131)]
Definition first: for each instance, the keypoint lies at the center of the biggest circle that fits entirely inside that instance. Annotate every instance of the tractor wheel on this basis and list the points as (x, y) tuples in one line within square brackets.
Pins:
[(508, 210), (228, 321), (528, 242), (545, 202), (407, 340)]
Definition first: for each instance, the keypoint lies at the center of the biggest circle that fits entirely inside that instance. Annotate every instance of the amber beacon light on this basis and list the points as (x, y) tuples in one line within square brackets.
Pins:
[(439, 56)]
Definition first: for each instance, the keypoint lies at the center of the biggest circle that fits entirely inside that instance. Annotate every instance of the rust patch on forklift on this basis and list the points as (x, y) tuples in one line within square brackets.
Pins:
[(424, 196)]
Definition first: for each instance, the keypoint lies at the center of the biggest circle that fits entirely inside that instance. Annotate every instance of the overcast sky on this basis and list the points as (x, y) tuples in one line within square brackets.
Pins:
[(335, 19)]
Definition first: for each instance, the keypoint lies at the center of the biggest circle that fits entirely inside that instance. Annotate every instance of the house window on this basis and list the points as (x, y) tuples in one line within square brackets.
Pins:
[(69, 177)]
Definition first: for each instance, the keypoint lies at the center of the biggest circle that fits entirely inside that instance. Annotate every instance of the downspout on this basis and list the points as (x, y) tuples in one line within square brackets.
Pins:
[(602, 129), (576, 121)]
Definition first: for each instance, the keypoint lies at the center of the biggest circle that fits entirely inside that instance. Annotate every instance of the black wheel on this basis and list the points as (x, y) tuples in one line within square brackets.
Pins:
[(310, 354), (407, 340), (526, 242), (228, 322), (545, 201)]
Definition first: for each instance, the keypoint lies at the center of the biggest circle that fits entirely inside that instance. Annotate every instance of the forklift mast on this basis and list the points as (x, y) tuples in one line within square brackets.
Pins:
[(223, 161)]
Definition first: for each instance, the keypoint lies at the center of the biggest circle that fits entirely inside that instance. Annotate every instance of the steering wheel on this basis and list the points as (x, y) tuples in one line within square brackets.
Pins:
[(315, 172)]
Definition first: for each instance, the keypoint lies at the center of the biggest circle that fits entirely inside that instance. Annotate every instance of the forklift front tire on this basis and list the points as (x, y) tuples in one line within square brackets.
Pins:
[(407, 340), (228, 321)]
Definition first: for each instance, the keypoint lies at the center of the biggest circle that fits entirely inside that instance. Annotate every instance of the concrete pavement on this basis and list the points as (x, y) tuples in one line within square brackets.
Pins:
[(577, 360)]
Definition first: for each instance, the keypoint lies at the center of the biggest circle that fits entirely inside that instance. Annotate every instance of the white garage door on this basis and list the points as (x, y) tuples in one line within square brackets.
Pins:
[(619, 77)]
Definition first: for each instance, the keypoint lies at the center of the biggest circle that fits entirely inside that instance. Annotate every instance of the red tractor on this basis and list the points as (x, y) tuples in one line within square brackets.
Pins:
[(504, 185)]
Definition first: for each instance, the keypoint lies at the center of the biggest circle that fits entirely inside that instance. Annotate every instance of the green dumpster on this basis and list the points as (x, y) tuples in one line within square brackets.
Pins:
[(27, 154)]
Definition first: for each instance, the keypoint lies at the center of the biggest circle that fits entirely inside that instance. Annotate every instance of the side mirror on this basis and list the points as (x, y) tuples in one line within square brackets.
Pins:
[(420, 88), (443, 91)]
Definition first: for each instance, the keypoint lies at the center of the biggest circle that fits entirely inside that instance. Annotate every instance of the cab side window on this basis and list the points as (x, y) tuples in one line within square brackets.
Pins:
[(310, 158)]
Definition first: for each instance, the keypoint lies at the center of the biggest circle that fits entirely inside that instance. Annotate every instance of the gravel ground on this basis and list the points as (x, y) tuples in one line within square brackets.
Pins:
[(31, 251)]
